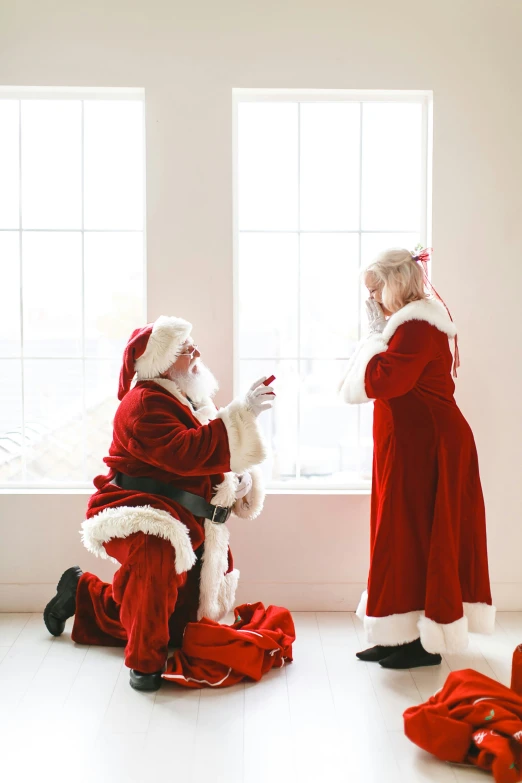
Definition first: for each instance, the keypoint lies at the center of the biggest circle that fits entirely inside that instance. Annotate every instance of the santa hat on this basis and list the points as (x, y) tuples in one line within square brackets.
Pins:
[(152, 349)]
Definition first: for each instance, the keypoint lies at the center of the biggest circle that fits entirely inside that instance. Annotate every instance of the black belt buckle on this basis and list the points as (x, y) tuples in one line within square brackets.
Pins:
[(221, 515)]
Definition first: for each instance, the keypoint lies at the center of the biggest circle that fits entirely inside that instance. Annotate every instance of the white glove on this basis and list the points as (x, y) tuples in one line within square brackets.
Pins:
[(259, 398), (376, 318), (244, 486)]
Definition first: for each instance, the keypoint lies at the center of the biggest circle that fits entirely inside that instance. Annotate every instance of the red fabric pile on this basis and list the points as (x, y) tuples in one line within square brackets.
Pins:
[(217, 656), (472, 720)]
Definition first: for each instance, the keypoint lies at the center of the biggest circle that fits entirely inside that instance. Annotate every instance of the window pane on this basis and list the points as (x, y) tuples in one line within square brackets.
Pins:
[(54, 409), (268, 285), (10, 420), (101, 386), (391, 166), (329, 294), (9, 293), (9, 164), (330, 168), (112, 309), (114, 165), (51, 164), (279, 425), (52, 284), (268, 166), (329, 429)]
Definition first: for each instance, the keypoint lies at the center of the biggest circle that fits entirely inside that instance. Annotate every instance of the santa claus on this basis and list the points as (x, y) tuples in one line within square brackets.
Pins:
[(178, 468), (428, 583)]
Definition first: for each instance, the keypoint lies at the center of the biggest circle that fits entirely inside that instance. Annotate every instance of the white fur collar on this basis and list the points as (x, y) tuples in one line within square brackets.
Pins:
[(430, 310), (206, 410)]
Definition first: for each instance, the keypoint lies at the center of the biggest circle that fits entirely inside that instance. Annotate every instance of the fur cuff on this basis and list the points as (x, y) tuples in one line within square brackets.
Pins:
[(244, 436), (353, 389), (217, 589), (126, 520), (251, 505)]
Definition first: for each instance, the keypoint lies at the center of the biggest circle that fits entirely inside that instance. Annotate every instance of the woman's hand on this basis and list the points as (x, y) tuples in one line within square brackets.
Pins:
[(376, 318)]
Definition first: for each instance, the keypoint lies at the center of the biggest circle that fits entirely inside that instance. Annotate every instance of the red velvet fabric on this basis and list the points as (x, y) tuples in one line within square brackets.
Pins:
[(472, 720), (157, 436), (146, 607), (428, 527), (214, 655)]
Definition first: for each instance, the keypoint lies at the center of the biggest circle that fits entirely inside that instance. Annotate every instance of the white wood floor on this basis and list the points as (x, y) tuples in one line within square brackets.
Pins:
[(67, 713)]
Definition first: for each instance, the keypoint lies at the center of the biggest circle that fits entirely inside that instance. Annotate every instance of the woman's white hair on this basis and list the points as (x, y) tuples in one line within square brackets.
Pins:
[(398, 276)]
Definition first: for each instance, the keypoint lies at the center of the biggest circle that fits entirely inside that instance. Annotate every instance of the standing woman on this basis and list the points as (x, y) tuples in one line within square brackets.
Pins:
[(428, 582)]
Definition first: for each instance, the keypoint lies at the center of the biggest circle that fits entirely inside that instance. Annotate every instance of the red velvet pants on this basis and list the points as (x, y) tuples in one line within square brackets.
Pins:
[(147, 606)]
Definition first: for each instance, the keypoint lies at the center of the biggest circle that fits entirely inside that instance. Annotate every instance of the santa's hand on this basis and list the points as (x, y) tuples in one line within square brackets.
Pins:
[(259, 398), (376, 318), (244, 486)]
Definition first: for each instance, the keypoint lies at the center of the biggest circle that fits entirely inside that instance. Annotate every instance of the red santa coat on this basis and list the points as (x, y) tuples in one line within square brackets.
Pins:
[(429, 569), (471, 720), (159, 434)]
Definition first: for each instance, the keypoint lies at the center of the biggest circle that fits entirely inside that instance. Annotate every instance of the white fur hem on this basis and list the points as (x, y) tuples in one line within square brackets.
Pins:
[(353, 389), (436, 637), (444, 637), (244, 436), (217, 589), (126, 520), (163, 347)]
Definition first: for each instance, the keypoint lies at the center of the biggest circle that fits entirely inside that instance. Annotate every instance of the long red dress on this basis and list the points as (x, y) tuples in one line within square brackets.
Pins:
[(429, 568)]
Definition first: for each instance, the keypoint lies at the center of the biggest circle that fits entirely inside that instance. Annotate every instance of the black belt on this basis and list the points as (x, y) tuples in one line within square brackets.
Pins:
[(193, 503)]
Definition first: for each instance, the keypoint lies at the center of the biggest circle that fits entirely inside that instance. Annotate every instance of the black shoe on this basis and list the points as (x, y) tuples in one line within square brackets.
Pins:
[(145, 682), (63, 605), (411, 656), (375, 654)]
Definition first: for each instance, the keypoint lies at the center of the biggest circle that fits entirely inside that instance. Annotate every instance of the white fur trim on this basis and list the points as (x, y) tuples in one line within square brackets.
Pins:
[(252, 504), (436, 637), (244, 436), (481, 618), (217, 589), (353, 389), (444, 637), (361, 609), (126, 520), (430, 310), (393, 629), (168, 335), (225, 493), (206, 410)]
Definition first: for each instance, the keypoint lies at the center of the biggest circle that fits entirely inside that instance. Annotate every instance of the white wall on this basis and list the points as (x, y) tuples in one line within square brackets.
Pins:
[(306, 552)]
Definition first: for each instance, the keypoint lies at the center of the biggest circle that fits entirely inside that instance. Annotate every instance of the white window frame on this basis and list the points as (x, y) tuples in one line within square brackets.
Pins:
[(74, 94), (254, 95)]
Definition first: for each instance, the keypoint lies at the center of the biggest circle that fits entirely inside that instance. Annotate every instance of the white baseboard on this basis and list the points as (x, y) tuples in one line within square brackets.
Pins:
[(296, 596)]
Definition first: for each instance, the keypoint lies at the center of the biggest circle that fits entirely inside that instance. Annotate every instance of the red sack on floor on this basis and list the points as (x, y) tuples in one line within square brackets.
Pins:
[(217, 656), (472, 720)]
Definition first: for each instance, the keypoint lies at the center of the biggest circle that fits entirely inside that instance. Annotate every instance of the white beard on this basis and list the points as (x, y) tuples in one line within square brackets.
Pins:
[(196, 385)]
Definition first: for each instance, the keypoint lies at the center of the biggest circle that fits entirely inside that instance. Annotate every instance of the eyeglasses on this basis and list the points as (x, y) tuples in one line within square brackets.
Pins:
[(190, 351)]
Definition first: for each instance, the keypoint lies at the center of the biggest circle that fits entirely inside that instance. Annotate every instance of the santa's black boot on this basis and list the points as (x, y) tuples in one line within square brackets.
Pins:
[(63, 605), (375, 654), (145, 682), (411, 656)]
